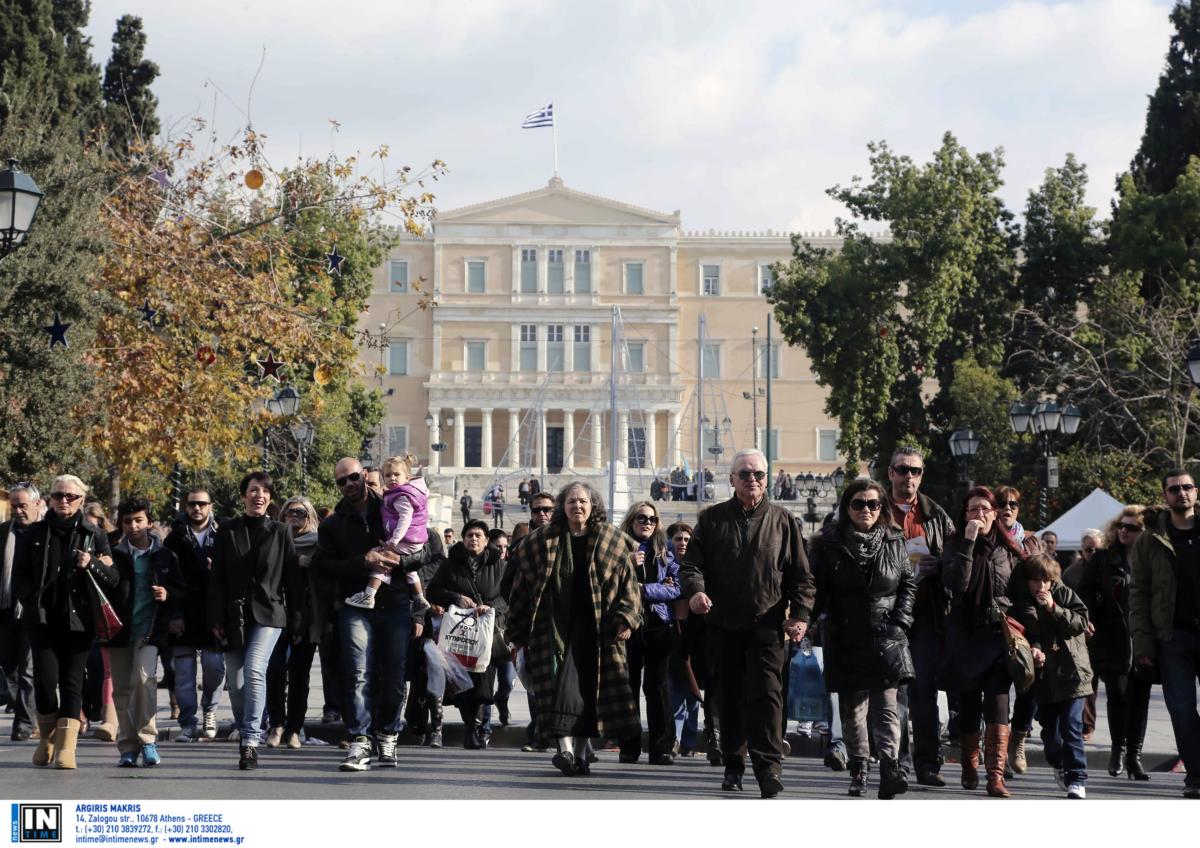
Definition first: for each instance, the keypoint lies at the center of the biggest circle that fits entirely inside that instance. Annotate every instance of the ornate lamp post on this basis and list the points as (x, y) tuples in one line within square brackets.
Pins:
[(19, 201), (1043, 420), (964, 444)]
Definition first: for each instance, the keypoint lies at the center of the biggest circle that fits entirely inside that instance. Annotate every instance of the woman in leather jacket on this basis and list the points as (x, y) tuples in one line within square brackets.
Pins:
[(866, 589)]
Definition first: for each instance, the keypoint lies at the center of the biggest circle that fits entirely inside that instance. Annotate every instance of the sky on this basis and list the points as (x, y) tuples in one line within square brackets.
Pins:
[(740, 115)]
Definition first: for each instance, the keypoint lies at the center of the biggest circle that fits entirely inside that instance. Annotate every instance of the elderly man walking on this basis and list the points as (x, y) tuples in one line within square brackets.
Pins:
[(746, 570)]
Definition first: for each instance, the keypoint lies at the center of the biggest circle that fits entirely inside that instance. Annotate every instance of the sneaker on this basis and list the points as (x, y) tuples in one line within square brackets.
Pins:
[(150, 755), (248, 761), (235, 735), (1077, 790), (361, 600), (188, 734), (359, 756), (1058, 780), (387, 750), (210, 724), (835, 759), (128, 759)]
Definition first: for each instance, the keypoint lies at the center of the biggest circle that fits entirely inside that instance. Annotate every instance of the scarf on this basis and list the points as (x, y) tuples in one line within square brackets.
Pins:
[(1017, 532), (558, 594), (864, 547)]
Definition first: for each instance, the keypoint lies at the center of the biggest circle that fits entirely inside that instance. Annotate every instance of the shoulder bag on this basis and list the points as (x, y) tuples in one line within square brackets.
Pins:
[(1018, 657)]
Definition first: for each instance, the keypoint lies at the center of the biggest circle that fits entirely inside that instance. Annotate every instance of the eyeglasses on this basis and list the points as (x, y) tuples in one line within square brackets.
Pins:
[(69, 497), (297, 513), (910, 470), (981, 509), (198, 504), (349, 478), (646, 519), (1181, 487), (1010, 504), (872, 505), (542, 510), (1130, 528), (745, 474)]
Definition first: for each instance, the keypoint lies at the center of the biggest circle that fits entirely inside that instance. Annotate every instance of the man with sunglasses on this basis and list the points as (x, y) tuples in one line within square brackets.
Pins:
[(374, 641), (192, 538), (16, 658), (746, 570), (1164, 611), (926, 527)]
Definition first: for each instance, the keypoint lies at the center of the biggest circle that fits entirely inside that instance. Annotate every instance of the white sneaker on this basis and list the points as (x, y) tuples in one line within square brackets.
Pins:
[(210, 724), (1058, 780), (1077, 790), (358, 758), (361, 600), (234, 735)]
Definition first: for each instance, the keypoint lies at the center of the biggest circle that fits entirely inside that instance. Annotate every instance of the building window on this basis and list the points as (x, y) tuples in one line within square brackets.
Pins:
[(583, 347), (397, 440), (635, 357), (476, 356), (766, 279), (710, 276), (397, 358), (529, 347), (554, 271), (633, 278), (711, 360), (528, 270), (769, 447), (554, 347), (768, 362), (583, 271), (827, 445), (398, 275), (476, 276)]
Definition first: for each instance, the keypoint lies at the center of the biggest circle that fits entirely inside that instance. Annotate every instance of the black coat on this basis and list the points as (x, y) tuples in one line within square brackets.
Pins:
[(270, 578), (166, 572), (193, 563), (974, 642), (31, 578), (319, 614), (933, 600), (456, 579), (1104, 588), (868, 610)]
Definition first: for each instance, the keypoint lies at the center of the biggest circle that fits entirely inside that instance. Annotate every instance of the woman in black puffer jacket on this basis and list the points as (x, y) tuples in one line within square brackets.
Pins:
[(866, 588)]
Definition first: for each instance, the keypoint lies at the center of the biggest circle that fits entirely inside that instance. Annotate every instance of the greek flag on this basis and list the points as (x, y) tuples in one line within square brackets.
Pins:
[(540, 118)]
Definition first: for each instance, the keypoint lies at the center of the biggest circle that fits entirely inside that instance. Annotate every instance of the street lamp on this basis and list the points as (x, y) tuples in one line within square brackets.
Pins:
[(838, 477), (286, 402), (303, 432), (812, 487), (19, 201), (964, 444), (1043, 420), (1193, 363)]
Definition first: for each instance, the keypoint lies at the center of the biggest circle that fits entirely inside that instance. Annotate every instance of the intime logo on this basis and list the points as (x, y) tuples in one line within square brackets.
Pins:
[(37, 822)]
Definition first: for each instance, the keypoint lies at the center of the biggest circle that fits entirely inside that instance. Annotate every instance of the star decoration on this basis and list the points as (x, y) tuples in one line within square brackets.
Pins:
[(58, 332), (335, 261), (270, 366), (148, 313), (160, 176)]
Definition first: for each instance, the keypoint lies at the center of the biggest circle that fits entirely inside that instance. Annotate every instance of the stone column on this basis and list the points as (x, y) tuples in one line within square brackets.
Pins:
[(673, 439), (435, 435), (514, 438), (486, 435), (460, 443), (623, 436), (597, 439), (568, 438), (651, 425), (539, 460)]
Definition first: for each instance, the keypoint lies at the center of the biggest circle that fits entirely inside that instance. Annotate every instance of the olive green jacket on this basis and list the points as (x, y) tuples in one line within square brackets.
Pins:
[(1152, 585)]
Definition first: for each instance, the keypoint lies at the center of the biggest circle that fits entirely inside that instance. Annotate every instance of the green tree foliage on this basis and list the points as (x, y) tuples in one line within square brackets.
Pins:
[(981, 397), (129, 105)]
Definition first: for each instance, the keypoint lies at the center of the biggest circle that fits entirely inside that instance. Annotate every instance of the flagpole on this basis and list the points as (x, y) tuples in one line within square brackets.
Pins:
[(554, 131)]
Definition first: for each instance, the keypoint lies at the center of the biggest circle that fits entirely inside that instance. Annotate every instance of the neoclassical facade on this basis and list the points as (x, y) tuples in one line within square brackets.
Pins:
[(495, 340)]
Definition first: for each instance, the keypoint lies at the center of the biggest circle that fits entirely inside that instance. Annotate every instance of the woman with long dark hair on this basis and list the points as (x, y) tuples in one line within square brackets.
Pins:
[(866, 588), (574, 604), (977, 568)]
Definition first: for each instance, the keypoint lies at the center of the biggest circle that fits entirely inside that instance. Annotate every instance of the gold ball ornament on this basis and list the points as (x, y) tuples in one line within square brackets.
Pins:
[(254, 179), (322, 374)]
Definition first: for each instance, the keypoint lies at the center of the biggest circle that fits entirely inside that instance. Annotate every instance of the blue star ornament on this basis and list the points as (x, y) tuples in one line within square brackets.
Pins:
[(148, 313), (58, 332), (335, 261)]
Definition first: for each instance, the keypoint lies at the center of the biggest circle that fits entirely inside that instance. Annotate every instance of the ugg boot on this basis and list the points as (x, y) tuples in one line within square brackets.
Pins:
[(66, 735), (1016, 751), (44, 752), (969, 757), (106, 730), (995, 754)]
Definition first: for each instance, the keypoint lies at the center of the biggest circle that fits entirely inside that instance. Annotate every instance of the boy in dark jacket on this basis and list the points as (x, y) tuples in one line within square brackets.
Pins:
[(1055, 623)]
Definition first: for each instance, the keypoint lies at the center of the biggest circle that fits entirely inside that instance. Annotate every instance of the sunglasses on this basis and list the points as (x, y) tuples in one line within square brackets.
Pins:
[(1130, 528), (349, 478), (1174, 490), (872, 505), (542, 510), (69, 497), (198, 504), (1009, 504), (910, 470), (745, 474), (297, 513), (1089, 551), (646, 519)]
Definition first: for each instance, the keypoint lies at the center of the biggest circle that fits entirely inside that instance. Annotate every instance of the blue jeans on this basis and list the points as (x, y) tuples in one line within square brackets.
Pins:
[(1062, 735), (212, 665), (366, 634), (246, 674), (686, 707), (506, 673), (1179, 665)]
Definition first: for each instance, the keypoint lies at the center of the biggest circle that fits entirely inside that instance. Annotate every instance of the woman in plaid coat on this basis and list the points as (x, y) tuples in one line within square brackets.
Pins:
[(574, 603)]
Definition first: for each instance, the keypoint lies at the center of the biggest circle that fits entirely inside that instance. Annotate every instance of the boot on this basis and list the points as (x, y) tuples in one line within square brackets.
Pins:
[(416, 713), (714, 747), (433, 738), (995, 754), (858, 778), (1134, 736), (66, 735), (1116, 760), (969, 756), (892, 778), (44, 753), (106, 730), (483, 735), (1016, 751)]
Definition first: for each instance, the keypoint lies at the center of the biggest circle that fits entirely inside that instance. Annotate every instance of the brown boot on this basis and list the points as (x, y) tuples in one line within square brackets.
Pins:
[(66, 735), (1016, 752), (106, 730), (969, 756), (45, 748), (995, 755)]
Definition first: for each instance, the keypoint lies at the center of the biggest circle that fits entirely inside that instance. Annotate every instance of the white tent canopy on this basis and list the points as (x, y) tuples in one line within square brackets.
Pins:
[(1093, 512)]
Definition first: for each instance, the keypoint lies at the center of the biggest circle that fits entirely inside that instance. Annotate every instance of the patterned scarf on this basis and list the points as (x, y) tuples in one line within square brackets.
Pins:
[(864, 547)]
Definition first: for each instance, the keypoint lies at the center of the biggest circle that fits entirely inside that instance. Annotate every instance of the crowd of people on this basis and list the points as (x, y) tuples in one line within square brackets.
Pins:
[(904, 600)]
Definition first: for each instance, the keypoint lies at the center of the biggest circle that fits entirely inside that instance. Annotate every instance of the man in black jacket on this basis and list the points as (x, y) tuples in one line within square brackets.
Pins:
[(16, 659), (926, 527), (746, 570), (372, 639), (191, 539)]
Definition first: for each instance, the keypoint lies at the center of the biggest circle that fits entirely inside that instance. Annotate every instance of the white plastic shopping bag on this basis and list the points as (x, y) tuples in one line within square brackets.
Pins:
[(466, 636)]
